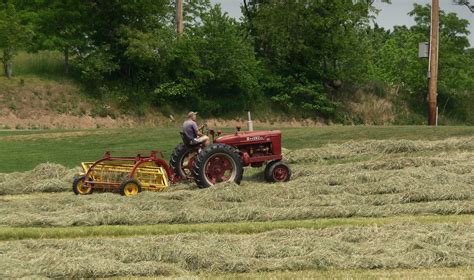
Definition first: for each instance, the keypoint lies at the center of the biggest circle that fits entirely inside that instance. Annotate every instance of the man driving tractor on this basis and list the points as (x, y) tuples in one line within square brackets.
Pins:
[(191, 130)]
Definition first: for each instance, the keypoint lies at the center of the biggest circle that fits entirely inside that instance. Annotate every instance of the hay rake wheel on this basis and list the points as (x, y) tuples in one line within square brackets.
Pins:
[(130, 187), (79, 188)]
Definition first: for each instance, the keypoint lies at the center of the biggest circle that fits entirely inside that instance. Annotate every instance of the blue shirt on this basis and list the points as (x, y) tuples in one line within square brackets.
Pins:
[(190, 129)]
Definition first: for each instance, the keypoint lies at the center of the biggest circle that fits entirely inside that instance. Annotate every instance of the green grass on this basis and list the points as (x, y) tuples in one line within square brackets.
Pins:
[(16, 233), (45, 64), (23, 150)]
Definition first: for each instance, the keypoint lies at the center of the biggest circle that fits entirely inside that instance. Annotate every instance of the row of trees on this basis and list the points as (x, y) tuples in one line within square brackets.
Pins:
[(299, 54)]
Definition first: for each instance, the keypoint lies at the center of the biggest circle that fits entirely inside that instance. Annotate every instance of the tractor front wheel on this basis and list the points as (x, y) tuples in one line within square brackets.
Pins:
[(78, 186), (130, 187), (217, 163), (277, 171)]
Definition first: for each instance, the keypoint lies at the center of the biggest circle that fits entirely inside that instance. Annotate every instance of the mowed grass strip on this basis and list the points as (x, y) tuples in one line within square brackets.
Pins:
[(13, 233), (23, 150)]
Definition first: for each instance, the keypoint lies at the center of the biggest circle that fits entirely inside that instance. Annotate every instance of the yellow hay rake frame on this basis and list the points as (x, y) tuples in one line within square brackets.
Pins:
[(110, 175), (128, 175)]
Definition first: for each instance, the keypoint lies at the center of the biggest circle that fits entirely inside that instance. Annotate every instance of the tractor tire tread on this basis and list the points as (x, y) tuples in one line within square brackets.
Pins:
[(179, 152), (201, 158), (268, 173)]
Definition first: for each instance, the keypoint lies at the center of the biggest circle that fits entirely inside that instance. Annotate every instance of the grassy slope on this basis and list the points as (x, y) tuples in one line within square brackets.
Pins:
[(23, 150)]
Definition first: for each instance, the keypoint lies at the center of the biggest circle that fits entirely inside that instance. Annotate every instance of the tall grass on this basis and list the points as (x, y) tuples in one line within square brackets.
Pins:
[(43, 64)]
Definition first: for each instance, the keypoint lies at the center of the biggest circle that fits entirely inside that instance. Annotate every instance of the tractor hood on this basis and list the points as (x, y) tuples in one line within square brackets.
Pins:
[(249, 137)]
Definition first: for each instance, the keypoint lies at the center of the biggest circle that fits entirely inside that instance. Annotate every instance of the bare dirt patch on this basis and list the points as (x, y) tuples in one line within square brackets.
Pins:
[(51, 120), (57, 135), (33, 103)]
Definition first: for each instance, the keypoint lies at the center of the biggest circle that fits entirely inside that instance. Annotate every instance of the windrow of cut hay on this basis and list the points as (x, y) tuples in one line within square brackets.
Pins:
[(377, 148), (46, 177), (400, 245), (441, 183)]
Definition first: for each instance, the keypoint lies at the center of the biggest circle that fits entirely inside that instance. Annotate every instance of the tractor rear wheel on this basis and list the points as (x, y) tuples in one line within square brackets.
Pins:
[(130, 187), (79, 188), (182, 161), (277, 171), (217, 163)]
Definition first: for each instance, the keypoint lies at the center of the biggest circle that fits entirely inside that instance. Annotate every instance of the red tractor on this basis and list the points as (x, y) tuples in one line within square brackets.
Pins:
[(222, 161), (225, 158)]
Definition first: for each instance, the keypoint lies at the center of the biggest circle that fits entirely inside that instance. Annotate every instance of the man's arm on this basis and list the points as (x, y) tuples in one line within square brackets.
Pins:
[(200, 129), (196, 129)]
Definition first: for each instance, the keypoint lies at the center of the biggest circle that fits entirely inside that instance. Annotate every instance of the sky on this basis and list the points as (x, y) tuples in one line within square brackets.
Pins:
[(390, 14)]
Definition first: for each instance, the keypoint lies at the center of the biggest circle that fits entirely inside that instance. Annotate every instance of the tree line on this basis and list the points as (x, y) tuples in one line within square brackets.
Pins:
[(296, 56)]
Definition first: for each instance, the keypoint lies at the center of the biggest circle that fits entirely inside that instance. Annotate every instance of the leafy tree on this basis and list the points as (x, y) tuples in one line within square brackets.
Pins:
[(397, 62), (132, 45), (93, 32), (229, 58), (213, 68), (15, 34), (62, 25), (310, 44), (113, 20)]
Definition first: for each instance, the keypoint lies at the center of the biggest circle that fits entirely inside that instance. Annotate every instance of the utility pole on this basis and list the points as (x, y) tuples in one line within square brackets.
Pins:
[(433, 68), (179, 17)]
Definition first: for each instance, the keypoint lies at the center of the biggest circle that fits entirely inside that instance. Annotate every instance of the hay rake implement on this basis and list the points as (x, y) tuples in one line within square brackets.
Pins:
[(128, 175)]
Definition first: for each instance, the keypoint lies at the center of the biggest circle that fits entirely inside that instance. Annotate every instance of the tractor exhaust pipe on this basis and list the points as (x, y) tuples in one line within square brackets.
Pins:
[(249, 122)]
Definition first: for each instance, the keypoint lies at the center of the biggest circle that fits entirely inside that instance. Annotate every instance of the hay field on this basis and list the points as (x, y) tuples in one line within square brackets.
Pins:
[(358, 179), (374, 179)]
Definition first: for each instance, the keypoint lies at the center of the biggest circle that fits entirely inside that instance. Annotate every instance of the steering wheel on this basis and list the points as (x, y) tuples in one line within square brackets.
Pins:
[(205, 129)]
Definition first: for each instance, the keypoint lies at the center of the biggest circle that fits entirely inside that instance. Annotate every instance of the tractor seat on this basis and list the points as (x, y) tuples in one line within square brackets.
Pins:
[(189, 142)]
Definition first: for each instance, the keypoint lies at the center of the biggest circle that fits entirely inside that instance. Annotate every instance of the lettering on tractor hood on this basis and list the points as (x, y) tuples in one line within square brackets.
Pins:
[(255, 138)]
